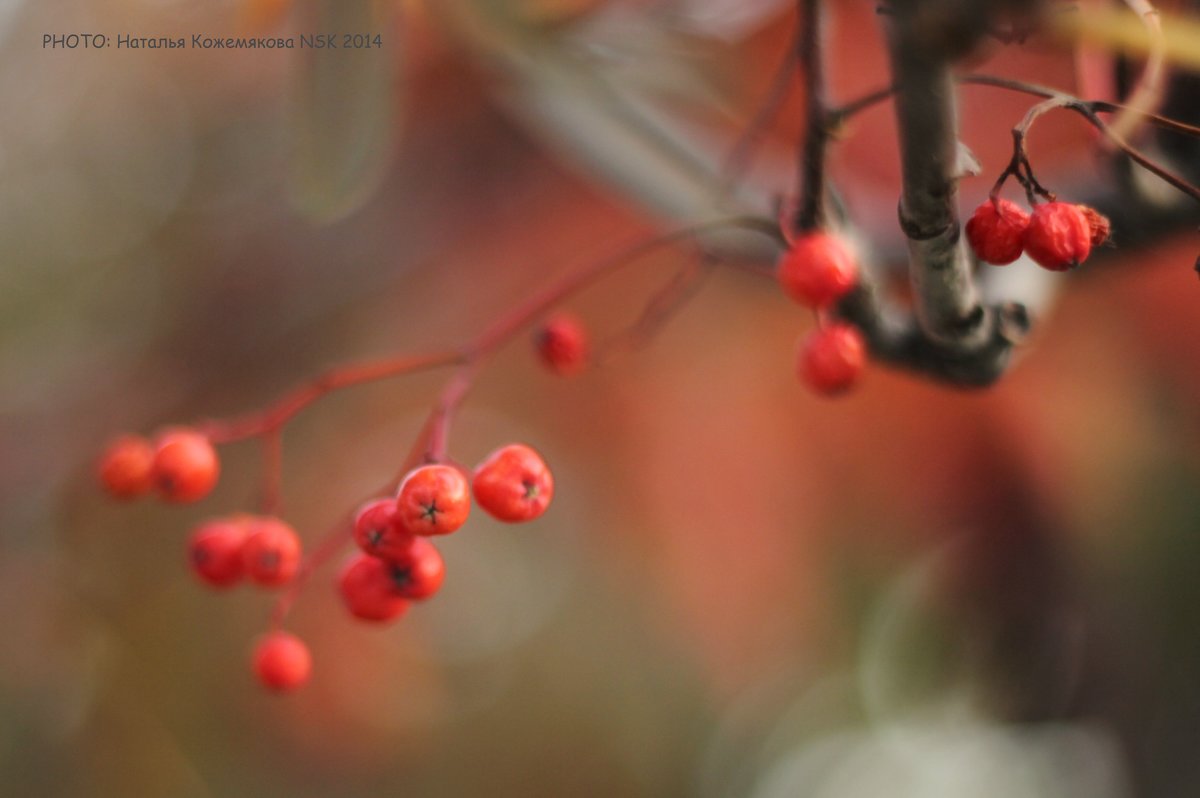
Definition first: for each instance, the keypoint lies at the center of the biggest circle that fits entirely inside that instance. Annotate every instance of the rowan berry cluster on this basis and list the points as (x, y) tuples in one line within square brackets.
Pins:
[(1057, 236), (818, 270), (180, 464), (397, 563)]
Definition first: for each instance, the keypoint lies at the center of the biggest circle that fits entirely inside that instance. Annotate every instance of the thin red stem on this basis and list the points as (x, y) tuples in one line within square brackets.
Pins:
[(442, 415), (287, 407), (432, 441)]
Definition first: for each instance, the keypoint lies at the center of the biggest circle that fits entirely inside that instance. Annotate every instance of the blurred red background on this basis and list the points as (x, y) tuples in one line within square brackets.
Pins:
[(734, 573)]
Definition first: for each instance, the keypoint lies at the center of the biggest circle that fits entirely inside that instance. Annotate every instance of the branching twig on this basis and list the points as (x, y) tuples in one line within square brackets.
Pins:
[(1147, 92), (810, 210), (737, 162), (432, 442), (946, 298), (661, 307), (1090, 110)]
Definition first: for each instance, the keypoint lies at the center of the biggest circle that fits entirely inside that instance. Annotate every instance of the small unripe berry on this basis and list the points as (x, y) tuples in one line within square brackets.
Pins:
[(282, 661), (513, 484), (271, 553), (831, 358), (433, 500), (562, 344), (1098, 223), (126, 469), (185, 466), (215, 551), (996, 231), (419, 573), (1059, 236), (368, 590), (818, 269), (377, 532)]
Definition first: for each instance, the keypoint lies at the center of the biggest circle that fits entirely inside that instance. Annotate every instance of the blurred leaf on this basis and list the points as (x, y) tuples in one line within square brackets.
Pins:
[(345, 107), (623, 133), (1118, 29), (729, 20), (647, 54)]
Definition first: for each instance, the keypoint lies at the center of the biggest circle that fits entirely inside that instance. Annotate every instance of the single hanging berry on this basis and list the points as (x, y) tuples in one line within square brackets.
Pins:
[(185, 466), (377, 531), (562, 344), (419, 572), (996, 231), (433, 500), (126, 469), (215, 551), (831, 358), (369, 591), (271, 553), (818, 269), (1059, 237), (513, 484), (282, 661)]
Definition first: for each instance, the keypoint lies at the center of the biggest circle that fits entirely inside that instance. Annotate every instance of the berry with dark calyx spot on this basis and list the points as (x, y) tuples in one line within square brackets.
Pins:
[(215, 551), (126, 469), (185, 466), (1059, 237), (1098, 223), (996, 231), (831, 358), (419, 573), (369, 591), (562, 344), (818, 269), (377, 532), (271, 553), (513, 484), (282, 661), (433, 500)]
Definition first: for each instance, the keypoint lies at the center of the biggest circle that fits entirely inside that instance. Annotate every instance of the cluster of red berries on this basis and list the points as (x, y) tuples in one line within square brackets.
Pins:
[(817, 270), (180, 464), (264, 549), (1057, 235), (397, 563)]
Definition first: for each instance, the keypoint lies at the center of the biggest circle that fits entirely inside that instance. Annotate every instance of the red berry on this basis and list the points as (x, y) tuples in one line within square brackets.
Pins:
[(995, 231), (271, 553), (376, 531), (1059, 236), (215, 551), (419, 573), (369, 591), (818, 269), (831, 358), (433, 500), (185, 466), (513, 484), (126, 469), (1098, 223), (282, 661), (562, 344)]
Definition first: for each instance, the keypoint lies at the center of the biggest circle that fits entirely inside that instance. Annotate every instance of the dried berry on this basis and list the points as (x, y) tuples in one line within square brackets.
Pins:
[(1059, 236)]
